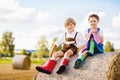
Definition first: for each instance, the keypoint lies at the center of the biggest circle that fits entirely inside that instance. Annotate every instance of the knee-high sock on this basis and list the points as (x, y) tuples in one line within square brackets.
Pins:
[(82, 57), (92, 46), (63, 65), (79, 61)]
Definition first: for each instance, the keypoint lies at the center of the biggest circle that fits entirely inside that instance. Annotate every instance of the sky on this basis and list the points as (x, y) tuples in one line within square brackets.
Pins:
[(28, 20)]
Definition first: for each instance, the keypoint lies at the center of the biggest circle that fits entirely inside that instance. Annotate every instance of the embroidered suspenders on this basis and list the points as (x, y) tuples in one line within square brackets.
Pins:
[(70, 40)]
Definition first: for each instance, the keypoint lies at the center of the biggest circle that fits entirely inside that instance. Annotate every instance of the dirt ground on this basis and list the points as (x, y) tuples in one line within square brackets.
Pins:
[(8, 73)]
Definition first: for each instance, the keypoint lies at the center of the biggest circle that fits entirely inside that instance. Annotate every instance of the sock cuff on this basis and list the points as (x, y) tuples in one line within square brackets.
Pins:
[(82, 57)]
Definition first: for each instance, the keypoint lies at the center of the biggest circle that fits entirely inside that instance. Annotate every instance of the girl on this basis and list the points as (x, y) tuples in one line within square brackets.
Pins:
[(94, 40)]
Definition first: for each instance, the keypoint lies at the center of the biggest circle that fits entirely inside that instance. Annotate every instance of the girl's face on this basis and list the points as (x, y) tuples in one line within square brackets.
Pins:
[(70, 27), (93, 22)]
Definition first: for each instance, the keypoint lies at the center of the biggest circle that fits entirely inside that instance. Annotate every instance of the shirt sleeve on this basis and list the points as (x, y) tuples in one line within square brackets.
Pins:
[(79, 40), (60, 40)]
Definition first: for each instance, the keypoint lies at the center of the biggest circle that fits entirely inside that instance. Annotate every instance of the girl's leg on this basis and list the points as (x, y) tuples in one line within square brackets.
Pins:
[(92, 47), (49, 65), (64, 61), (80, 59)]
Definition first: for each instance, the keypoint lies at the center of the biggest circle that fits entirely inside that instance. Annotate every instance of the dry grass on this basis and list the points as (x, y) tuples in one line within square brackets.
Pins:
[(8, 73), (113, 72)]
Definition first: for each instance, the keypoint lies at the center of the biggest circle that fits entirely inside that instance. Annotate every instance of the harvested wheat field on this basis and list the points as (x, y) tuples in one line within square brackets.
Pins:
[(8, 73), (94, 68)]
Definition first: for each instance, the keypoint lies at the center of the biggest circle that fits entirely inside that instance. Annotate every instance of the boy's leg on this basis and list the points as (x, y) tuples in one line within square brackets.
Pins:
[(80, 60), (92, 47), (64, 61), (49, 65)]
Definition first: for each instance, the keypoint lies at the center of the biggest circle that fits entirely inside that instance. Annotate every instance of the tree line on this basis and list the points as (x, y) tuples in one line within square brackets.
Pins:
[(7, 46)]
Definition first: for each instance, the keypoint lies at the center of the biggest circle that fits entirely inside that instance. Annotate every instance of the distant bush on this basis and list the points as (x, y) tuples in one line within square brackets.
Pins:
[(109, 47), (8, 60)]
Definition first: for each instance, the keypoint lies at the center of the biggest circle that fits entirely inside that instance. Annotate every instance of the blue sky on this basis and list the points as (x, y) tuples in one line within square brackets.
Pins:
[(30, 19)]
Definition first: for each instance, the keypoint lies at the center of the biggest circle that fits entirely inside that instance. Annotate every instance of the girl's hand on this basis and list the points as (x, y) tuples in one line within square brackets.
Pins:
[(93, 31)]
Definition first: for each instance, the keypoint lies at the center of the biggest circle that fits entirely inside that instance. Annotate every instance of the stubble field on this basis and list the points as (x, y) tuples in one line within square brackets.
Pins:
[(8, 73)]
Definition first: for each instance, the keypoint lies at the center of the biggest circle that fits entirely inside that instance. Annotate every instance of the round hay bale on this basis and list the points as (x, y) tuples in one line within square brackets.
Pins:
[(113, 72), (21, 62)]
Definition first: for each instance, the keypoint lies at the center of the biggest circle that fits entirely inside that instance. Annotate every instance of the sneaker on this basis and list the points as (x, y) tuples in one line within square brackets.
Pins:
[(77, 63)]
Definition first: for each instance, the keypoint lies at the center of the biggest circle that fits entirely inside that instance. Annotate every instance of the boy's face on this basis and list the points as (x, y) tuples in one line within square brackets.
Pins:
[(70, 27), (93, 22)]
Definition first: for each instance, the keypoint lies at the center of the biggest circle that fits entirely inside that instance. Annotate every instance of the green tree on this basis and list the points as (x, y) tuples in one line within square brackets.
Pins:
[(23, 52), (108, 47), (33, 55), (1, 48), (42, 47), (6, 44)]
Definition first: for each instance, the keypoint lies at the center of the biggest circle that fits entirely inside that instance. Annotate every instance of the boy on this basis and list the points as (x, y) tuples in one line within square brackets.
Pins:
[(94, 40), (71, 41)]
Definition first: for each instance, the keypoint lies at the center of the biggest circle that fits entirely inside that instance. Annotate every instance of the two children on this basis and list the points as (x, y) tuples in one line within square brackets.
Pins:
[(71, 41)]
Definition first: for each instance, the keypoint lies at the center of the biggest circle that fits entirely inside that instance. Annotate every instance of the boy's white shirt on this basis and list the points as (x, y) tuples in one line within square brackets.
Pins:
[(79, 38)]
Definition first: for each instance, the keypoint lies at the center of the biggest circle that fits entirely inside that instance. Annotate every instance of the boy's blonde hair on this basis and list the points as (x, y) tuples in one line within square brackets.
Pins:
[(69, 20)]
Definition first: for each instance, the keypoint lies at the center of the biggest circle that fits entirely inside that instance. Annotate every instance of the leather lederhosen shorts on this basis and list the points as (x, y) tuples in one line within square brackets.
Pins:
[(72, 46), (66, 47)]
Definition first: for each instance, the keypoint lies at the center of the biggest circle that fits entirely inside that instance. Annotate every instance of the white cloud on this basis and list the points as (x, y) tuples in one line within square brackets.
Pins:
[(25, 42), (29, 40), (13, 17), (116, 44), (101, 14), (8, 5), (50, 31), (116, 21), (84, 24), (112, 35), (42, 16), (10, 11)]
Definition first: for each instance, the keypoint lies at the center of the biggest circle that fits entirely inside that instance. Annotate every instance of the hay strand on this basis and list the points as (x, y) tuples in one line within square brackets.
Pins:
[(113, 72)]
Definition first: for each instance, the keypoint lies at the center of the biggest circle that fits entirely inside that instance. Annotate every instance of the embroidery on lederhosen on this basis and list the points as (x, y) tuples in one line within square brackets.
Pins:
[(69, 43)]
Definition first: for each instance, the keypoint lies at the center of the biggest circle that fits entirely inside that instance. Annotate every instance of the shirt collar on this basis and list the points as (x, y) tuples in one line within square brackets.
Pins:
[(71, 32)]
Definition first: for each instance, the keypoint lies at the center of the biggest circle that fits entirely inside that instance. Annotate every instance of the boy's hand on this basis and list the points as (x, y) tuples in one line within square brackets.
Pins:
[(52, 50), (50, 54)]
